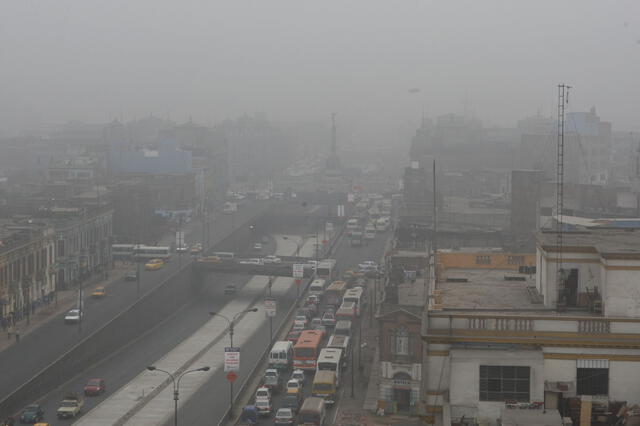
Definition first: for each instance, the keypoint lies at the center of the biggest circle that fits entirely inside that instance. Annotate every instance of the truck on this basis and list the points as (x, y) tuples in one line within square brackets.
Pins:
[(70, 406)]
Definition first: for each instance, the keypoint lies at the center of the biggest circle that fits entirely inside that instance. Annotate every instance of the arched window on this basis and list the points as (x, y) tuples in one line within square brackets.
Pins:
[(400, 341)]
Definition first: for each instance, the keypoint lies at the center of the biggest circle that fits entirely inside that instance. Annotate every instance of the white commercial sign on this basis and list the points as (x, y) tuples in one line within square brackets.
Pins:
[(298, 270), (231, 359), (270, 306)]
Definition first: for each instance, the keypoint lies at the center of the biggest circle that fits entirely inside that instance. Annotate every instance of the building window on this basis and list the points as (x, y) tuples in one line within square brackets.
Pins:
[(515, 260), (502, 383), (400, 342), (61, 248), (592, 381), (483, 260)]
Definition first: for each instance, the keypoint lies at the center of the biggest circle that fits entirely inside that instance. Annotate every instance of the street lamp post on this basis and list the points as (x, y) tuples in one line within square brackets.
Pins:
[(231, 323), (270, 317), (137, 277), (176, 386)]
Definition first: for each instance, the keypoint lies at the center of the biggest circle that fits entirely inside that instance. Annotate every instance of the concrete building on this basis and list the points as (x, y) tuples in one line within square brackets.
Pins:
[(83, 240), (399, 318), (257, 150), (27, 266), (210, 156), (497, 334)]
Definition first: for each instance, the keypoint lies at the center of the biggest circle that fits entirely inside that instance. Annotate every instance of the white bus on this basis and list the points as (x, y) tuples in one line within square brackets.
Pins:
[(317, 287), (122, 251), (281, 355), (330, 359), (325, 268), (152, 252), (342, 342), (354, 295)]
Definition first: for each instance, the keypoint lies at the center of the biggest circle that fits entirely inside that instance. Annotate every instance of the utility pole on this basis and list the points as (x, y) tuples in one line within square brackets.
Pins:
[(563, 99)]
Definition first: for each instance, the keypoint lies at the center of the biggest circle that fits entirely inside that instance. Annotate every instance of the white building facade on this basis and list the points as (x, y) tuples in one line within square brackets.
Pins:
[(553, 343)]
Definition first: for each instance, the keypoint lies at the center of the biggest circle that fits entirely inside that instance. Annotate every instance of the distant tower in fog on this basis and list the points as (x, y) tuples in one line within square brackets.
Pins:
[(333, 162)]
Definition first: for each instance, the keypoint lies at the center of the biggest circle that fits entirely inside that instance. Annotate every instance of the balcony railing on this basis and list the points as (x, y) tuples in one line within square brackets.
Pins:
[(594, 326)]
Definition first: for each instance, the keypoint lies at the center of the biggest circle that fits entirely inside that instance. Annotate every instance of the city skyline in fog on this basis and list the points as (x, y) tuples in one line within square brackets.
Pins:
[(294, 61)]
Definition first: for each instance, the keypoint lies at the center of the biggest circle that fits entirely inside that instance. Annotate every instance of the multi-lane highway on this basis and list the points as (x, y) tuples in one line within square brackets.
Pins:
[(50, 340), (210, 404)]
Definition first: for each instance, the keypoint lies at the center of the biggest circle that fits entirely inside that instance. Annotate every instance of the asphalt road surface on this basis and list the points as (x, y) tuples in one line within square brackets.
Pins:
[(20, 362), (209, 404), (123, 366), (120, 368)]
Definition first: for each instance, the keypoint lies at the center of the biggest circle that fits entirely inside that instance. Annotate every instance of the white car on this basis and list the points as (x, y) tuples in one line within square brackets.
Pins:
[(299, 376), (73, 316), (182, 249), (251, 262), (271, 259), (263, 393)]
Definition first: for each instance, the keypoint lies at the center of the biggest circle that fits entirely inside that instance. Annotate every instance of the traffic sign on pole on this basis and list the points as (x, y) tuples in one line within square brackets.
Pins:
[(298, 270), (231, 376), (231, 359), (298, 282), (270, 306)]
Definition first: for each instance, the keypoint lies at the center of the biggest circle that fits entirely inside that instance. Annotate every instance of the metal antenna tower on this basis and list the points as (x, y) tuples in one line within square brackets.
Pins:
[(563, 99)]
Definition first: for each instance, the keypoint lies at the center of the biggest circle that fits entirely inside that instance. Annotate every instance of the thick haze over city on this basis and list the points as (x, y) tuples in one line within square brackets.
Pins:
[(95, 61), (371, 212)]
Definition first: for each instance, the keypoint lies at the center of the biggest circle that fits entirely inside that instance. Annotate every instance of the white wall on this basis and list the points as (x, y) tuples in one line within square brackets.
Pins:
[(624, 381), (560, 370), (464, 384), (622, 294)]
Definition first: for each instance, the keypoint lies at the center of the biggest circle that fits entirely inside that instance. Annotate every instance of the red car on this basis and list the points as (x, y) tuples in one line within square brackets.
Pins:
[(95, 387), (293, 336)]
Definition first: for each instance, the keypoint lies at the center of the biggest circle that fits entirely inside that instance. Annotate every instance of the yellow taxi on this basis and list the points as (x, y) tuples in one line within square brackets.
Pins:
[(154, 264), (99, 292)]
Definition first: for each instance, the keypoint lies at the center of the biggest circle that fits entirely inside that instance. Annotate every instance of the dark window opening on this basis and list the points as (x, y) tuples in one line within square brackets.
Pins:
[(569, 290), (593, 381), (503, 383)]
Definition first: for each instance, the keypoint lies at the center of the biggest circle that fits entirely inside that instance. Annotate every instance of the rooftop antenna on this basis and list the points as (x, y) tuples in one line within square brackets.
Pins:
[(563, 99)]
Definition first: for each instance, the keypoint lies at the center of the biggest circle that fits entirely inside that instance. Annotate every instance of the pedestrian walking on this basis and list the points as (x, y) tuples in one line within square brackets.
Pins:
[(9, 332), (17, 334)]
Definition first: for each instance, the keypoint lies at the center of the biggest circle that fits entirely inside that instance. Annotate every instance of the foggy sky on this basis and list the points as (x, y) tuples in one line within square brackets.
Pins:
[(96, 60)]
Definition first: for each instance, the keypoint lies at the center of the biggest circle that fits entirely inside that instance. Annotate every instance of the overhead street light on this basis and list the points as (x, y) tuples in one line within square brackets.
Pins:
[(176, 386), (231, 323)]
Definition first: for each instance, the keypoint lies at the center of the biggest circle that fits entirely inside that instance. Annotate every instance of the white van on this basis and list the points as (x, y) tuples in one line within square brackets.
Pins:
[(317, 287), (281, 355)]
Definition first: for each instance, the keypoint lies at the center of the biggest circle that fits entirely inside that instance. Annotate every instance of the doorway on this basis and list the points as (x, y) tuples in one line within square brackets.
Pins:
[(402, 391)]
